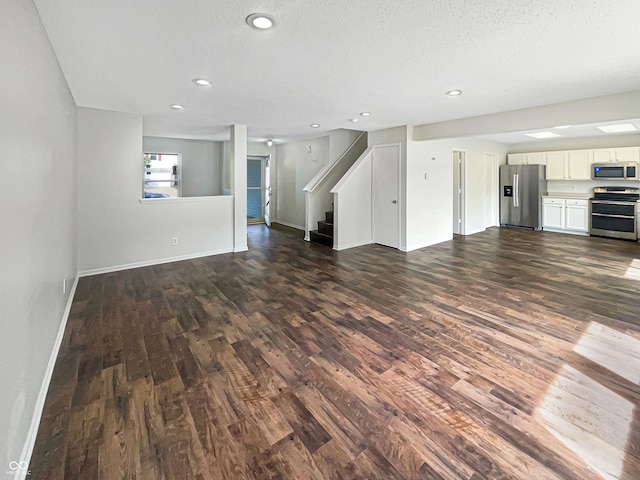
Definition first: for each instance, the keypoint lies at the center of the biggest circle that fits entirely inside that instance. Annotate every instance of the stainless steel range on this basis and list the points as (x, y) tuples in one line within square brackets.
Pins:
[(614, 212)]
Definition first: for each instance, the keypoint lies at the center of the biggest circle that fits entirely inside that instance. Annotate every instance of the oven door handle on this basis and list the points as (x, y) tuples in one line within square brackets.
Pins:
[(612, 216), (613, 202)]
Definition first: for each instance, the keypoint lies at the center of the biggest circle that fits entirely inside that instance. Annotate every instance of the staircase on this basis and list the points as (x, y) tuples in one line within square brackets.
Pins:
[(324, 233)]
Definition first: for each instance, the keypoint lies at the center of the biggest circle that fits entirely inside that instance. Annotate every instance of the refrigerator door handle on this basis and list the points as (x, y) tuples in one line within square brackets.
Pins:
[(516, 190)]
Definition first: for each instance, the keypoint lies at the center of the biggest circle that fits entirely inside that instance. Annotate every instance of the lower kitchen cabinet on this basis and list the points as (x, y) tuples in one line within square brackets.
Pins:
[(566, 215)]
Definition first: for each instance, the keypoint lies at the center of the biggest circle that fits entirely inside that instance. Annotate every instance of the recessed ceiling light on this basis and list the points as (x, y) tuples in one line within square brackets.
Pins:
[(260, 21), (454, 93), (621, 128), (354, 120), (542, 135), (176, 106), (560, 127), (315, 125), (203, 82), (269, 143), (365, 114)]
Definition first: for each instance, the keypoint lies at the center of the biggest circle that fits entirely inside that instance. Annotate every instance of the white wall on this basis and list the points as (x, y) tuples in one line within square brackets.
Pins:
[(430, 200), (620, 106), (38, 212), (352, 200), (295, 166), (201, 169), (116, 229), (339, 141)]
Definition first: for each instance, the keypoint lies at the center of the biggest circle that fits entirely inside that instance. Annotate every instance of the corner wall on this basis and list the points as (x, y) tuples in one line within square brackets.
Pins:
[(117, 230), (38, 211), (430, 200)]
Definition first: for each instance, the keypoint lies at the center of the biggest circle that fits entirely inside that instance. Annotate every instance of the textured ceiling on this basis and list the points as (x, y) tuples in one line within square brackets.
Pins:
[(328, 60)]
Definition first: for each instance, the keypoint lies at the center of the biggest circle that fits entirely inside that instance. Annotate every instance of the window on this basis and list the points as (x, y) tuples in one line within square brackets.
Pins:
[(161, 176)]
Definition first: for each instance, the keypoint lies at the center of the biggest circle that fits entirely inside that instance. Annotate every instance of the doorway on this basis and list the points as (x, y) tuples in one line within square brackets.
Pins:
[(459, 179), (256, 166), (386, 175)]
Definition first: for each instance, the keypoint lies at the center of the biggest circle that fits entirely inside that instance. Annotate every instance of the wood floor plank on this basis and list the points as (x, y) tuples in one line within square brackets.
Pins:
[(508, 354)]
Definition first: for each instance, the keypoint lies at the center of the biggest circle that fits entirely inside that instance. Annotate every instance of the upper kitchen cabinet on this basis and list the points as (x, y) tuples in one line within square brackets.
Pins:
[(571, 165), (623, 154), (556, 166), (537, 158), (579, 164)]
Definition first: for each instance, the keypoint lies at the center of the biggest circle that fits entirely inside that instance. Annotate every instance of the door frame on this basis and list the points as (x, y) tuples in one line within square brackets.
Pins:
[(495, 188), (459, 198), (263, 159), (398, 190)]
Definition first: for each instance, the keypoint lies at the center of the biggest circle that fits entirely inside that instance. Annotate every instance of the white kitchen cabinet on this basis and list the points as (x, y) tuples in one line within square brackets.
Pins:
[(565, 215), (556, 169), (628, 154), (603, 155), (577, 215), (579, 164), (570, 165), (553, 213), (622, 154), (536, 158), (516, 159)]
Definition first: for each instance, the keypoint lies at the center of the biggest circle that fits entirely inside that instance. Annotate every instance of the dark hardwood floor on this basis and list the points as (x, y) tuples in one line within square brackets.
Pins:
[(506, 354)]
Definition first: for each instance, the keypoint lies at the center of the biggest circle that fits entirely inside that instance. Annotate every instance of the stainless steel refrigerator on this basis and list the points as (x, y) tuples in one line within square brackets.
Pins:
[(521, 190)]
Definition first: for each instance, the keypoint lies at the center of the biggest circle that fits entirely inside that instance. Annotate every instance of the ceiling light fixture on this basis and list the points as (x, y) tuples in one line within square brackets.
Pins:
[(202, 82), (269, 143), (560, 127), (354, 120), (176, 106), (621, 128), (260, 21), (454, 93), (365, 114), (542, 135), (315, 125)]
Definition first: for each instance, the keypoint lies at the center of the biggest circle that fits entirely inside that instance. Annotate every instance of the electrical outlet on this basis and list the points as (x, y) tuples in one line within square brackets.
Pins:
[(174, 241), (64, 286)]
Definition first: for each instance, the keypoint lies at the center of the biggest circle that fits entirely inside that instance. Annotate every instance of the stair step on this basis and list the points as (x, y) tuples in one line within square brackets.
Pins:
[(328, 217), (321, 238), (325, 228)]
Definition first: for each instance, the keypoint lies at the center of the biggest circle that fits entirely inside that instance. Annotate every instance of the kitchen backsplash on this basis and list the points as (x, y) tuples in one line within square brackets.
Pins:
[(584, 186)]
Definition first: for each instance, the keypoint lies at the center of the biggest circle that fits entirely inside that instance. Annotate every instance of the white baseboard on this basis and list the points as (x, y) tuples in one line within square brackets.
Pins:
[(149, 263), (473, 232), (427, 244), (570, 232), (352, 245), (30, 442), (287, 224)]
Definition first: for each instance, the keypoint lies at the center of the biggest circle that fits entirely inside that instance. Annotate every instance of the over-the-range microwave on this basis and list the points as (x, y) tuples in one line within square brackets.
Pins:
[(615, 171)]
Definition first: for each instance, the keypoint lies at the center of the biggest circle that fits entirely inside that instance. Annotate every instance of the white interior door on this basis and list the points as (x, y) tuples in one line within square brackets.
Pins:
[(386, 215)]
